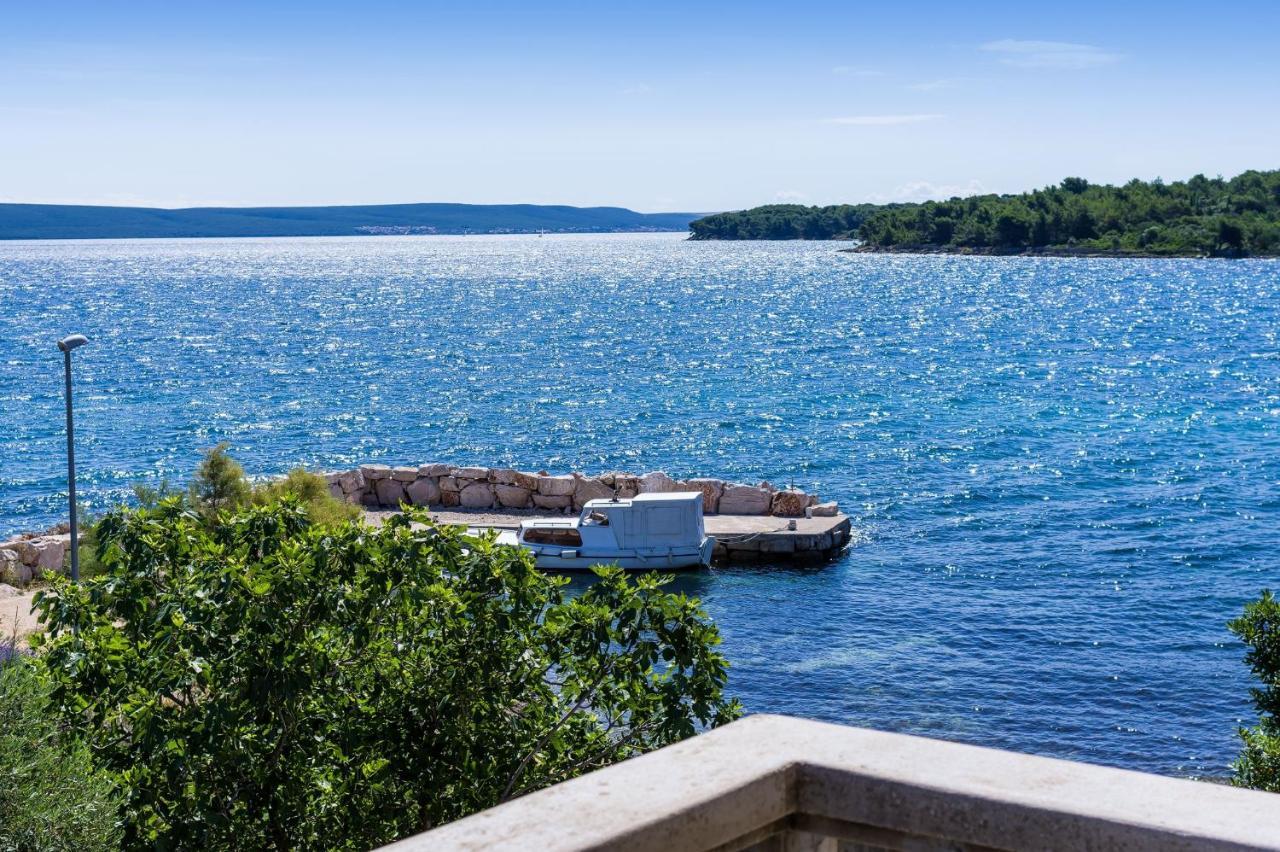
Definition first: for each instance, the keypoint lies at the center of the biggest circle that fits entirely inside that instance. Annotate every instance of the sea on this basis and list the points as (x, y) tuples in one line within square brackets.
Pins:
[(1062, 473)]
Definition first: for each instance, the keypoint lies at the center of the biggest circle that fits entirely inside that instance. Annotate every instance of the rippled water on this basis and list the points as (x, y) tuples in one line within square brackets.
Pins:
[(1063, 473)]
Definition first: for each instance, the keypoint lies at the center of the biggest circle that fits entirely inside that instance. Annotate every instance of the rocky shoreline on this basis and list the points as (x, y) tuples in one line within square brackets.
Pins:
[(1037, 252)]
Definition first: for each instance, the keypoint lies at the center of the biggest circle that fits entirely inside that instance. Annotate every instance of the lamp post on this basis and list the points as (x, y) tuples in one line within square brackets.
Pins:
[(66, 344)]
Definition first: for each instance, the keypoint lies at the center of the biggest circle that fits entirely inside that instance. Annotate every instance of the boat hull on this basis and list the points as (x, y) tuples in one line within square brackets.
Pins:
[(569, 560)]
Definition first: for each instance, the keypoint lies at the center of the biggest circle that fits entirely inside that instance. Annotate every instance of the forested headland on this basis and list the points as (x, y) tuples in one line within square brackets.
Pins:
[(784, 222), (1197, 217)]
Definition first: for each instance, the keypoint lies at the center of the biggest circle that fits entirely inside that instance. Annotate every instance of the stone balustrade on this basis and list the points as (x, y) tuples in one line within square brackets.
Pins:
[(451, 486), (777, 784)]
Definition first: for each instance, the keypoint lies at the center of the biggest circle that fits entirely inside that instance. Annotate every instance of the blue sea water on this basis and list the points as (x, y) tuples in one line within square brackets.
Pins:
[(1062, 474)]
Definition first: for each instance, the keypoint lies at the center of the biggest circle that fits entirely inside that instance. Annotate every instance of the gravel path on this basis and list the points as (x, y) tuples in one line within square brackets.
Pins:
[(16, 617)]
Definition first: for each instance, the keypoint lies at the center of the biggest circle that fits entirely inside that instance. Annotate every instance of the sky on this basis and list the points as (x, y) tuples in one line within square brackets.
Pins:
[(656, 106)]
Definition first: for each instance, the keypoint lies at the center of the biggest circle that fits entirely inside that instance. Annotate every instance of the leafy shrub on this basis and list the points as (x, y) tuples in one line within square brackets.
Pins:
[(312, 491), (51, 795), (269, 682), (220, 485), (87, 538), (88, 548), (1259, 763), (149, 496)]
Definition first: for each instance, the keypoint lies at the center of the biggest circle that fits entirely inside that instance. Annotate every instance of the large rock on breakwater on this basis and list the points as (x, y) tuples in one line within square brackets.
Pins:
[(745, 500), (557, 486), (29, 557), (448, 486), (712, 490), (424, 491)]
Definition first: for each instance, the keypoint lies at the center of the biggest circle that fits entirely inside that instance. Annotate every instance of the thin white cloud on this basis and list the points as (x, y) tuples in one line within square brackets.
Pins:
[(883, 120), (1050, 54), (789, 195), (113, 199), (923, 190), (638, 89), (855, 71), (933, 85)]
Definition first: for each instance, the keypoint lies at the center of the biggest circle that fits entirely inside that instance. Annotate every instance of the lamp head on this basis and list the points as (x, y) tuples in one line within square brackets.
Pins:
[(72, 341)]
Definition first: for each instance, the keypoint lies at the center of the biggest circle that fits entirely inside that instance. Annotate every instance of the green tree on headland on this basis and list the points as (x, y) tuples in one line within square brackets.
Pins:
[(1259, 762), (254, 679), (1200, 216)]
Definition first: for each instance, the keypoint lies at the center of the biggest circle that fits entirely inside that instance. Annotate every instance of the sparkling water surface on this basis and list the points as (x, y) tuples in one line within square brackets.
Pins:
[(1062, 474)]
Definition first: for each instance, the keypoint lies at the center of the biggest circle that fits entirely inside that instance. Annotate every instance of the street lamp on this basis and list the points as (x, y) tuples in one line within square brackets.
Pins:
[(66, 344)]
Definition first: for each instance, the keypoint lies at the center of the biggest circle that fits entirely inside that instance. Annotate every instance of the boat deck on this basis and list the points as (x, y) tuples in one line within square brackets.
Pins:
[(739, 538)]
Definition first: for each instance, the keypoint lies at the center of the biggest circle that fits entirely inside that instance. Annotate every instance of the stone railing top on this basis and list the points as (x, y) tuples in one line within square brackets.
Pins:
[(379, 485), (767, 777)]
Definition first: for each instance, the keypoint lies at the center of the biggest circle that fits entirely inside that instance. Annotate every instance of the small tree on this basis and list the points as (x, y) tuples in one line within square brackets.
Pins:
[(219, 482), (1259, 762), (272, 683)]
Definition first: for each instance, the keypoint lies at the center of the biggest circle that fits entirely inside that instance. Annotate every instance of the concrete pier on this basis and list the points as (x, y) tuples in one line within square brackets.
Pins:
[(739, 538)]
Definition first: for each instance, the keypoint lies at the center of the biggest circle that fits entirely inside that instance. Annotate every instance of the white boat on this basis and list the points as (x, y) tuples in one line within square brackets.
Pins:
[(648, 532)]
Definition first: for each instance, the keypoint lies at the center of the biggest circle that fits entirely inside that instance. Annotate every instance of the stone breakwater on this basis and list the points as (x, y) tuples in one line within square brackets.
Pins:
[(450, 486), (29, 557)]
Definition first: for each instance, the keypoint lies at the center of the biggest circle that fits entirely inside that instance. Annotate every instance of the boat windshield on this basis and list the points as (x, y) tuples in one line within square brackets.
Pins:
[(562, 536)]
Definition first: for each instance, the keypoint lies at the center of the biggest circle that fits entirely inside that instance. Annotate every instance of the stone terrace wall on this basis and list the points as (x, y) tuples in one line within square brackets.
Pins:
[(448, 486)]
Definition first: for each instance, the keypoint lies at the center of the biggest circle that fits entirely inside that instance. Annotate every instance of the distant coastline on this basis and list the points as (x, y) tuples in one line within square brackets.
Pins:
[(70, 222)]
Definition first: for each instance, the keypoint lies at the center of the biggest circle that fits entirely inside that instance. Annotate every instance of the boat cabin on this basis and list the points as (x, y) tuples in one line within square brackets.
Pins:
[(648, 531)]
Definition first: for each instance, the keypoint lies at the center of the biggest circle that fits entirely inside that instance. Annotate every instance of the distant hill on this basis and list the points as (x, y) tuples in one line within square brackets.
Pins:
[(62, 222), (1201, 216)]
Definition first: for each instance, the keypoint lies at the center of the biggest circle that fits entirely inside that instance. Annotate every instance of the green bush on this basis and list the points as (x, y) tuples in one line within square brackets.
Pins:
[(1259, 762), (88, 550), (51, 795), (220, 485), (312, 491), (269, 682), (149, 496)]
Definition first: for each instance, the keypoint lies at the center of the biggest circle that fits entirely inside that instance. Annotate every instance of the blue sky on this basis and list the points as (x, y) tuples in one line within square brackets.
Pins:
[(654, 106)]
